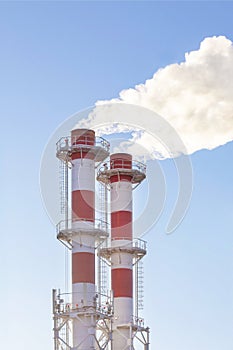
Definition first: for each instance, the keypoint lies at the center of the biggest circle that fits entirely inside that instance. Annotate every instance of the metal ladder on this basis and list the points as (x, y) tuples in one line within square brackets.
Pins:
[(103, 215), (63, 188), (139, 287)]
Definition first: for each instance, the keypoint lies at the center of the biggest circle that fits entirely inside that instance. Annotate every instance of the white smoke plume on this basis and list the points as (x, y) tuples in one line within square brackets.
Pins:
[(195, 97)]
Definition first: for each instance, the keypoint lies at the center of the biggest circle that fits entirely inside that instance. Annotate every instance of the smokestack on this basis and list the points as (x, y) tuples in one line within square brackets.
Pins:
[(124, 252), (75, 313), (83, 246), (121, 238), (87, 318)]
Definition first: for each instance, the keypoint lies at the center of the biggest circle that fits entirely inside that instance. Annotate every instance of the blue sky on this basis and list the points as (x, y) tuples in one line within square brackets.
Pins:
[(56, 59)]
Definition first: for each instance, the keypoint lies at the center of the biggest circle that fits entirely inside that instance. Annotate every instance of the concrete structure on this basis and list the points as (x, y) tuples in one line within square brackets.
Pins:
[(83, 249), (121, 237), (84, 319), (124, 252)]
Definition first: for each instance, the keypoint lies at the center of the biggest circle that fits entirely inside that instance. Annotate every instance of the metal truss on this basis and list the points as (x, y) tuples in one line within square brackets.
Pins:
[(65, 314)]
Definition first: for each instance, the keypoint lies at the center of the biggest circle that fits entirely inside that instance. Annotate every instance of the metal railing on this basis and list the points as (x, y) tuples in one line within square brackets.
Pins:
[(100, 302), (67, 143), (122, 165), (140, 243), (135, 243), (139, 321), (98, 224)]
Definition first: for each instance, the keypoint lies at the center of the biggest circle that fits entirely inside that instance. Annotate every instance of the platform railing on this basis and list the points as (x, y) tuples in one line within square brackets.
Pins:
[(100, 302), (67, 143), (98, 224), (138, 321), (122, 165), (135, 243)]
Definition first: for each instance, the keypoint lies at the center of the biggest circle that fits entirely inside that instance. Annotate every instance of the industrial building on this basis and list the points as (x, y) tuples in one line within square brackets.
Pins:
[(102, 309)]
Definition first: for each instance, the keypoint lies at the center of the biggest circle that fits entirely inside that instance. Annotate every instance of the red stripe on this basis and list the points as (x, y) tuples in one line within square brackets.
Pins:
[(122, 283), (83, 140), (82, 155), (121, 225), (121, 161), (83, 268), (83, 205), (83, 137), (120, 164), (116, 178)]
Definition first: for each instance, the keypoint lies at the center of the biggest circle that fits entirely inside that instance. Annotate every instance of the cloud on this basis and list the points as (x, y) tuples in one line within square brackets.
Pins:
[(194, 97)]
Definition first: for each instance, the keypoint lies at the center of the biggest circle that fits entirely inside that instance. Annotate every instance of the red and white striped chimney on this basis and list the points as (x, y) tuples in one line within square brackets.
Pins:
[(122, 258), (83, 217)]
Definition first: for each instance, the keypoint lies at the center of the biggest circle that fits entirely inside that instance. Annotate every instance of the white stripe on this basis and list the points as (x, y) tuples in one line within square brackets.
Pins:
[(83, 245), (121, 337), (83, 294), (82, 225), (81, 240), (121, 243), (83, 175), (123, 310), (121, 196), (121, 261), (82, 328)]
